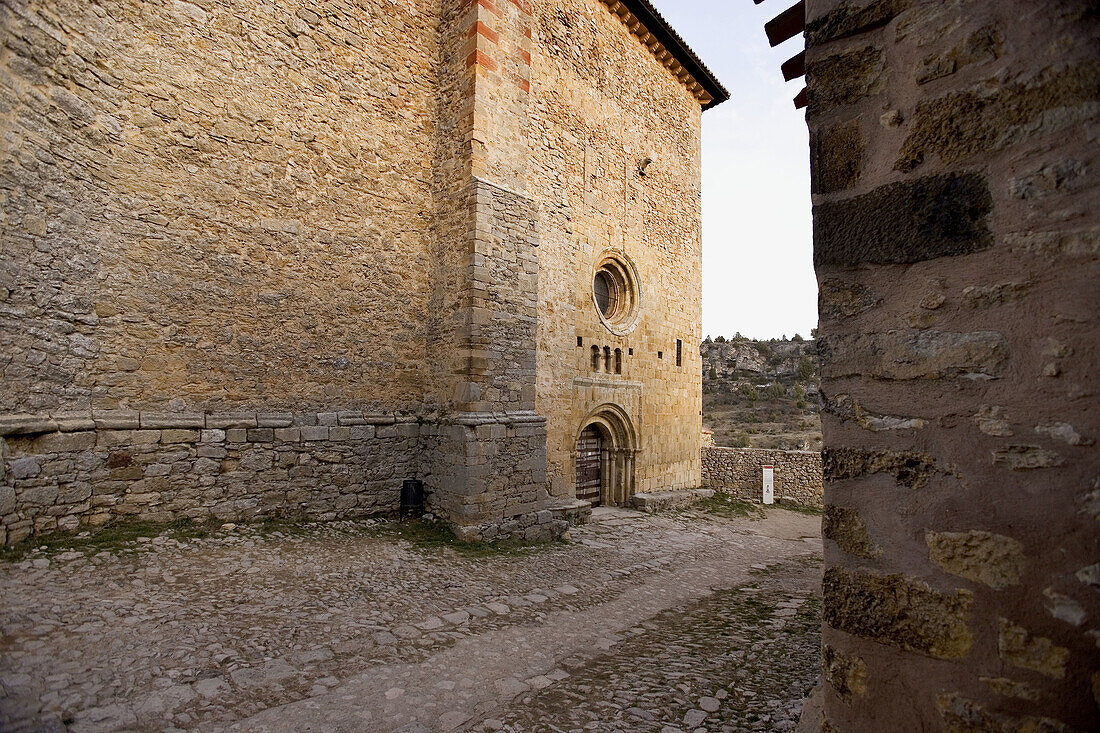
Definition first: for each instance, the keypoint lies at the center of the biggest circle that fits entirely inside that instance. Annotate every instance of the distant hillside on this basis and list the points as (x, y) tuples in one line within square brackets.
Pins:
[(762, 394)]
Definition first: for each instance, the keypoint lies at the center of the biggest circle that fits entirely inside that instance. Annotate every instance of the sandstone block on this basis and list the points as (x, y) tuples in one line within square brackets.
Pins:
[(179, 436), (847, 528), (173, 420), (64, 442), (899, 611), (992, 559), (1019, 648), (905, 222), (845, 674)]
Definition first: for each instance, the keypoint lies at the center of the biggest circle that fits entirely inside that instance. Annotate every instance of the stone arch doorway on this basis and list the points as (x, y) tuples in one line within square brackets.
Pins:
[(605, 455)]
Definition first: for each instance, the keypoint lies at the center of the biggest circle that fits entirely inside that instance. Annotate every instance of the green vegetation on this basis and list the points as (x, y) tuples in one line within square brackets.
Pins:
[(801, 509), (730, 507), (110, 537)]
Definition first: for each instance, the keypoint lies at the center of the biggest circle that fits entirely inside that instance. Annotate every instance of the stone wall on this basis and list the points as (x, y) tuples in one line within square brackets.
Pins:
[(601, 103), (88, 470), (957, 244), (739, 471), (221, 207), (215, 206)]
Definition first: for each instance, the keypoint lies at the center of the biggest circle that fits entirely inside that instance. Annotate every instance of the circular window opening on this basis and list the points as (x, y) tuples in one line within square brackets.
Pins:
[(616, 294), (604, 287)]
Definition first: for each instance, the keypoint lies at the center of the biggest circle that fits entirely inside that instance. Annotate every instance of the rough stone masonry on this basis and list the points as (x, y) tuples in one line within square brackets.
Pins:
[(957, 244), (273, 259)]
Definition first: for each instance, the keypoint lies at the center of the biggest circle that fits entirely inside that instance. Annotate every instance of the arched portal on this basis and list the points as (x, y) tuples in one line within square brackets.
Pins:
[(605, 455)]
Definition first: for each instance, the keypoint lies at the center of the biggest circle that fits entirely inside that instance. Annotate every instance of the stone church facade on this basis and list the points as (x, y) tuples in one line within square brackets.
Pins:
[(274, 259)]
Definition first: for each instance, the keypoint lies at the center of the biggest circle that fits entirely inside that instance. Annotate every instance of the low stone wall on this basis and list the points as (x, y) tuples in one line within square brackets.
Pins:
[(739, 471), (62, 472), (202, 467)]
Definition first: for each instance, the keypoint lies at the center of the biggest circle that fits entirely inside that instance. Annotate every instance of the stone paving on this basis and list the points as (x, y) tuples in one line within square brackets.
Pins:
[(679, 621)]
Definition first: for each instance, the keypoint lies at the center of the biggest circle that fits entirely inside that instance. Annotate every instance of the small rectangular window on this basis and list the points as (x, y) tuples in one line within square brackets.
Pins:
[(580, 341), (679, 352), (630, 352), (660, 355)]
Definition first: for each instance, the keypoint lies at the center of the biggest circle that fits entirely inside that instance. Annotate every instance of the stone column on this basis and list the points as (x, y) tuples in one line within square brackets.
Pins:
[(488, 456), (957, 246)]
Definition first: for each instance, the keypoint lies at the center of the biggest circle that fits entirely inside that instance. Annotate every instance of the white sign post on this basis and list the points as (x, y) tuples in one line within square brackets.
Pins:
[(769, 484)]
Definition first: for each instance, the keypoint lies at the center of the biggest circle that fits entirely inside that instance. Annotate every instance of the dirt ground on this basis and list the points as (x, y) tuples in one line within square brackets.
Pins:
[(683, 621)]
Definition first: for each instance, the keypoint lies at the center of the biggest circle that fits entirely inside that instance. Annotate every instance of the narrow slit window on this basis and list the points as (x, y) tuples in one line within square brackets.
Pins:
[(660, 355), (580, 341), (595, 358), (607, 359), (679, 352), (618, 361)]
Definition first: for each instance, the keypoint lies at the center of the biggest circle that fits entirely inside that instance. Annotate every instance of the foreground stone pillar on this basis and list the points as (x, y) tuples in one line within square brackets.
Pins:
[(957, 245)]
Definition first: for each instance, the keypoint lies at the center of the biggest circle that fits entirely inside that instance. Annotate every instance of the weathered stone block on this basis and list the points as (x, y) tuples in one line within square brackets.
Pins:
[(23, 468), (224, 421), (26, 424), (39, 495), (836, 157), (910, 469), (274, 419), (315, 432), (845, 78), (173, 420), (848, 20), (1019, 648), (985, 44), (848, 530), (905, 222), (964, 124), (7, 500), (899, 611), (179, 436), (261, 435), (213, 436), (64, 442), (1026, 457), (912, 354), (992, 559), (845, 674), (116, 419), (288, 435)]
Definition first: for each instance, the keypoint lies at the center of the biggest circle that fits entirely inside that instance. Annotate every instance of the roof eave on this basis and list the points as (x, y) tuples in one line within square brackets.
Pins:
[(670, 49)]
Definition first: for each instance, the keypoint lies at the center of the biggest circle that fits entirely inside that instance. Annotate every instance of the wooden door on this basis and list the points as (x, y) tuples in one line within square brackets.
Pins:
[(588, 465)]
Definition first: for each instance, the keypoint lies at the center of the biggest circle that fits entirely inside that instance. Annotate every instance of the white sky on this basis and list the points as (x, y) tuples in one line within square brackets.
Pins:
[(757, 240)]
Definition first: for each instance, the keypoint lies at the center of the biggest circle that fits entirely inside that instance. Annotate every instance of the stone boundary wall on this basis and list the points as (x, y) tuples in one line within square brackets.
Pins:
[(61, 472), (739, 471), (65, 471)]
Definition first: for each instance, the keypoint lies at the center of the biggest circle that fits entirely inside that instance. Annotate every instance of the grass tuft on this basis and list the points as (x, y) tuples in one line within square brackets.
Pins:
[(812, 511), (110, 537), (730, 507)]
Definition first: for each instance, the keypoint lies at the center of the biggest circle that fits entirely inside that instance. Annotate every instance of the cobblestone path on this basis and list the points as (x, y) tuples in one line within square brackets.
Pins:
[(742, 659), (347, 627)]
